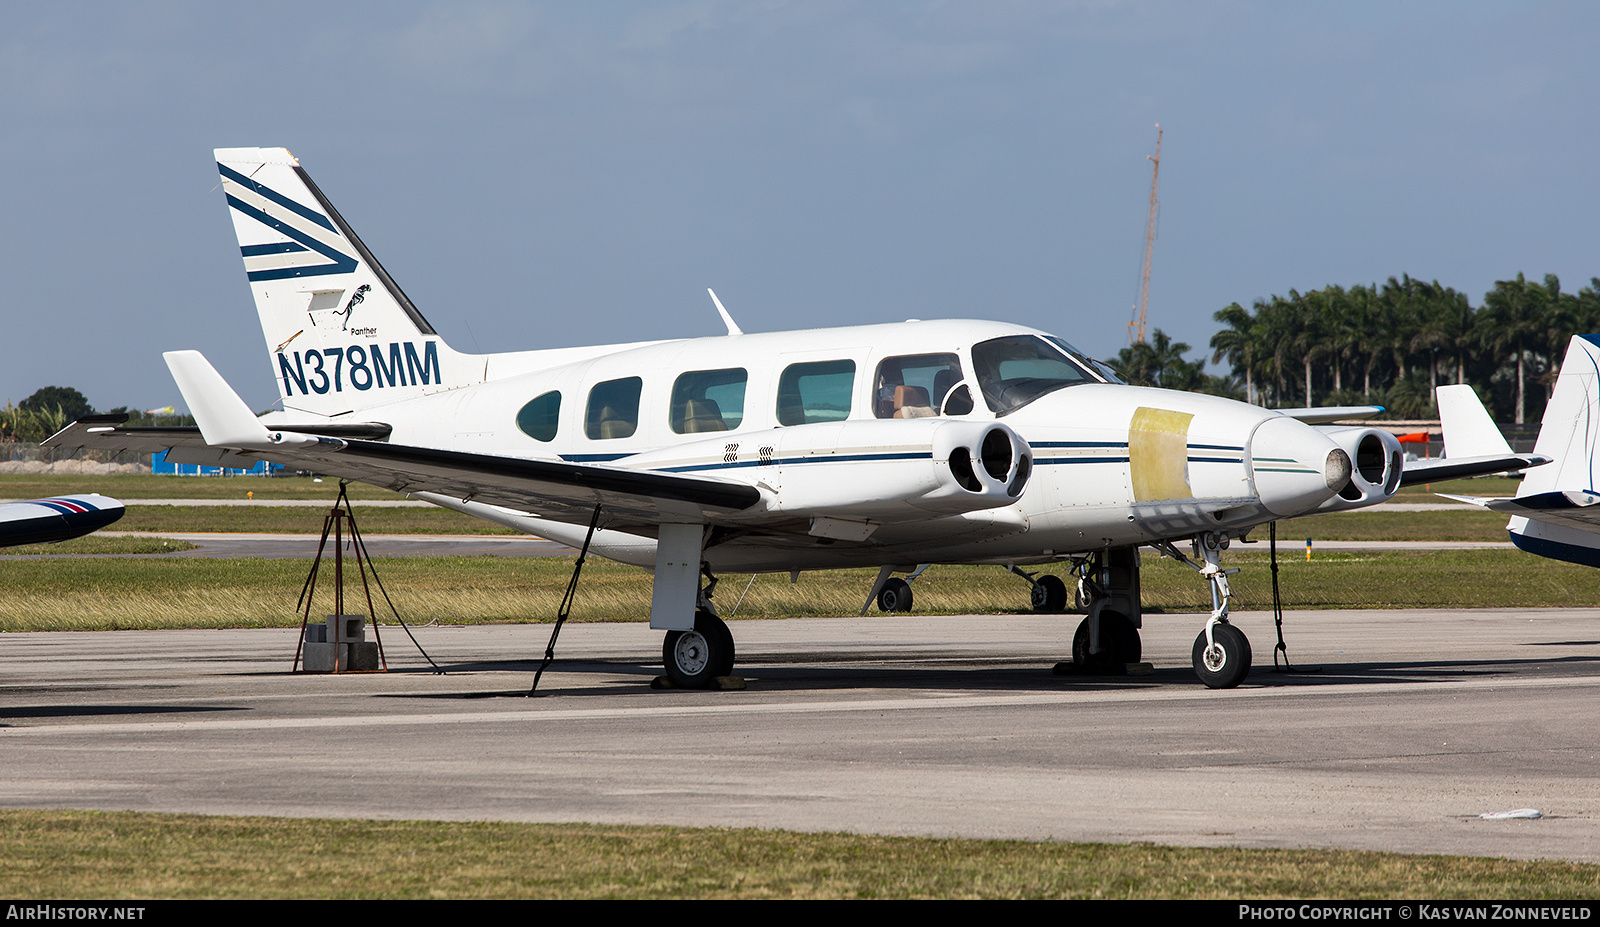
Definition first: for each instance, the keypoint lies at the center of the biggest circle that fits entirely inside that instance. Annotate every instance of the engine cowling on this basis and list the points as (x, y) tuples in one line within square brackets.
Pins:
[(1376, 461), (880, 471)]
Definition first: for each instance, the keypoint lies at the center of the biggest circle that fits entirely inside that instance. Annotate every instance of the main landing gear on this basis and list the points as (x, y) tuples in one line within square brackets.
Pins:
[(1107, 641), (1221, 653), (892, 593), (695, 659), (701, 657)]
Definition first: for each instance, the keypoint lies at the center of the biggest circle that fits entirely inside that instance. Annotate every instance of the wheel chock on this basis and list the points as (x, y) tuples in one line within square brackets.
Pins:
[(721, 683), (1070, 668)]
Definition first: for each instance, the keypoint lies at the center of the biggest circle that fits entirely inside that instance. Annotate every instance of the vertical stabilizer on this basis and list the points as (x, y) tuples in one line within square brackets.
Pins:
[(1568, 435), (341, 335), (1571, 427)]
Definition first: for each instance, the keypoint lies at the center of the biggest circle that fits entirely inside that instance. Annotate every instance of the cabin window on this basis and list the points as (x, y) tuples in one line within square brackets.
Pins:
[(914, 386), (613, 409), (708, 400), (1015, 371), (539, 418), (819, 392)]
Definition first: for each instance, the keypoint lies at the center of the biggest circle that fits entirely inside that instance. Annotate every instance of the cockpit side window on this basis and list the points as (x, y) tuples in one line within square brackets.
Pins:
[(817, 392), (539, 418), (914, 385), (708, 400), (613, 409), (1016, 370)]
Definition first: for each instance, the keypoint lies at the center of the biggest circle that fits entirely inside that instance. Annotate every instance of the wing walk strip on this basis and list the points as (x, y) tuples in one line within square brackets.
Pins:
[(744, 709)]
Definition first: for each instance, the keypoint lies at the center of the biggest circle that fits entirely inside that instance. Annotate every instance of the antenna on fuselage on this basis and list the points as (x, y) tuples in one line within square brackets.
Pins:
[(733, 328)]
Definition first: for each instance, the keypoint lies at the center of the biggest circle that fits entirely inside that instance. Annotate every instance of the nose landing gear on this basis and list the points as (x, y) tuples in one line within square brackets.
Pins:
[(1221, 652)]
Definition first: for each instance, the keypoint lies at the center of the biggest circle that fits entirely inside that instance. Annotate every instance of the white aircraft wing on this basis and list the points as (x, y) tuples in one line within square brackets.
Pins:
[(1324, 414), (551, 488), (1454, 468)]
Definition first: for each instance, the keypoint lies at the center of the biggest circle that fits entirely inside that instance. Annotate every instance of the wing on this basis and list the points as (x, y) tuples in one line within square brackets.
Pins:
[(1324, 414), (550, 488), (1454, 468)]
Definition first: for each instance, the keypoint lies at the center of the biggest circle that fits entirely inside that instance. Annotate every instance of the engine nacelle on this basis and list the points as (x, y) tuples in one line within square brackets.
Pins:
[(883, 471), (1375, 464)]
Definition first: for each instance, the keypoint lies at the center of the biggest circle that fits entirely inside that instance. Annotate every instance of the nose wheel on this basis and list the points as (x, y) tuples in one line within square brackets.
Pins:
[(1223, 661), (1221, 652)]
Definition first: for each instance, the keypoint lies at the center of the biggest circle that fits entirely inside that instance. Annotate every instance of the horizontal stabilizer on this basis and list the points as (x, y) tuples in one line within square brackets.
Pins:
[(1575, 508)]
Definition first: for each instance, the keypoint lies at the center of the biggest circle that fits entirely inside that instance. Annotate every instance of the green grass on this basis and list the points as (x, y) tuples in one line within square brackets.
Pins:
[(1389, 526), (105, 594), (1484, 486), (126, 855), (299, 520)]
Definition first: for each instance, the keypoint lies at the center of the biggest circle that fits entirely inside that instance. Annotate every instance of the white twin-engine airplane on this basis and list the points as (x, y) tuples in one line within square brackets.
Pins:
[(894, 446)]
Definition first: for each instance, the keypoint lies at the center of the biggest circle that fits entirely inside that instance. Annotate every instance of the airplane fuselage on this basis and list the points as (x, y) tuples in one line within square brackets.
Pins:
[(803, 413)]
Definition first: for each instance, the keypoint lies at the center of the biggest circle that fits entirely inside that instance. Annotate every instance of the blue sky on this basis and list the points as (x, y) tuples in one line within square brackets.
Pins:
[(549, 174)]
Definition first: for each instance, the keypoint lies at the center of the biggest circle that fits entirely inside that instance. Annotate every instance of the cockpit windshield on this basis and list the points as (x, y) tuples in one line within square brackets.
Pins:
[(1099, 367), (1016, 370)]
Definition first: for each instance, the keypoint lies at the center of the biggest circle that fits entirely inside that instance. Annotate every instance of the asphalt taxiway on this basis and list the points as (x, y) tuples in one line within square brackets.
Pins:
[(1418, 722)]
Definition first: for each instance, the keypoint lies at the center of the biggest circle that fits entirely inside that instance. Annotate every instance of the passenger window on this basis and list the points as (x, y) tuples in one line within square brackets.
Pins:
[(539, 418), (708, 400), (820, 392), (613, 409), (914, 386)]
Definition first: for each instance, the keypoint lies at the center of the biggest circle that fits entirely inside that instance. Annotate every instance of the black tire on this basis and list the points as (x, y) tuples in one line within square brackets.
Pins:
[(694, 659), (1119, 644), (895, 596), (1049, 595), (1229, 663)]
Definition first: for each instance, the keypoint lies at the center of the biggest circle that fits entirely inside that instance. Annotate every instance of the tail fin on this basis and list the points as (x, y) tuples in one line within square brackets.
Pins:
[(1570, 431), (341, 335), (1569, 435)]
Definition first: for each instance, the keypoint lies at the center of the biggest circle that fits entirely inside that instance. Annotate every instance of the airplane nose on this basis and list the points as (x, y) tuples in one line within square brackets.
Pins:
[(1296, 468)]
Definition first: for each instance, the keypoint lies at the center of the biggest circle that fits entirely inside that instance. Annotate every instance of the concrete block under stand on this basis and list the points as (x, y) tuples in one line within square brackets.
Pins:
[(344, 637)]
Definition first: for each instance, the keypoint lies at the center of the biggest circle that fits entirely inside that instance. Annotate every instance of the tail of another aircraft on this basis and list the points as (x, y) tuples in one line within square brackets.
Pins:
[(1570, 432), (341, 335), (1565, 524)]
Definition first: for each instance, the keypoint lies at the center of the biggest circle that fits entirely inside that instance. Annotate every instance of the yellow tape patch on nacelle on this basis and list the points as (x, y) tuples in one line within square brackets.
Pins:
[(1158, 454)]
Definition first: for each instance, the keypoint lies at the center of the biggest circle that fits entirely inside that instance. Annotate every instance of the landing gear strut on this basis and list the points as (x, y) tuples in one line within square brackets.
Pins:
[(1107, 641), (1221, 653)]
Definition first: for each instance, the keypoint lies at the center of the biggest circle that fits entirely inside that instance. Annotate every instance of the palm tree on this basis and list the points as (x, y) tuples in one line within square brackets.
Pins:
[(1512, 311), (1240, 342), (1159, 362)]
